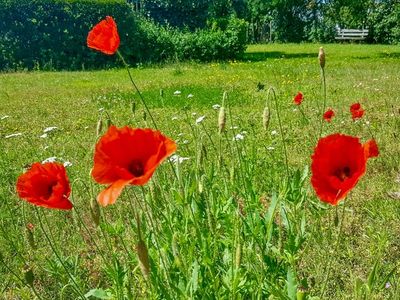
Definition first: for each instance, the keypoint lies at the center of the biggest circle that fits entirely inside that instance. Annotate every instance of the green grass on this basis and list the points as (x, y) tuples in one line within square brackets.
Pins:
[(248, 234)]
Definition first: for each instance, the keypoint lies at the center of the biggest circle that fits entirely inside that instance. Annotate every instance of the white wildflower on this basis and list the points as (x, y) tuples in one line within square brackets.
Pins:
[(49, 160), (200, 119), (177, 93), (238, 137), (13, 135), (274, 132), (49, 129), (178, 159), (216, 106), (233, 127), (174, 118), (67, 164), (43, 136), (190, 96), (270, 148), (4, 117), (193, 114)]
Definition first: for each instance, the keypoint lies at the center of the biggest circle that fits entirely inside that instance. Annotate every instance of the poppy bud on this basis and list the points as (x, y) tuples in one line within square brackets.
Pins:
[(175, 250), (29, 236), (321, 57), (266, 117), (301, 293), (95, 211), (143, 256), (133, 107), (99, 127), (28, 275), (222, 114), (201, 184)]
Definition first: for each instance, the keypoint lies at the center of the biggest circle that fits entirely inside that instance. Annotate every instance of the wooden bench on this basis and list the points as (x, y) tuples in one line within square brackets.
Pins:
[(351, 34)]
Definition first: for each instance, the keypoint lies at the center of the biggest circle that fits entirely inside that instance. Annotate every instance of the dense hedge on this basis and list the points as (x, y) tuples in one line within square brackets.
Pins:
[(51, 34)]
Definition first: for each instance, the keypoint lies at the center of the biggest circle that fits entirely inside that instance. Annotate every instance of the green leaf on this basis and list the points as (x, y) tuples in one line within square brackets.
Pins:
[(99, 294), (291, 284)]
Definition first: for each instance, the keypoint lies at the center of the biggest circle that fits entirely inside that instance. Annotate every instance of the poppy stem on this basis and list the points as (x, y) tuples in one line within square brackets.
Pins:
[(57, 255), (20, 279), (329, 266), (137, 90), (271, 90), (323, 81)]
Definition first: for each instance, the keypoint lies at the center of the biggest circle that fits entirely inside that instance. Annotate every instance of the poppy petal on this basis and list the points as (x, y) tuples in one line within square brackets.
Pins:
[(110, 194), (371, 149)]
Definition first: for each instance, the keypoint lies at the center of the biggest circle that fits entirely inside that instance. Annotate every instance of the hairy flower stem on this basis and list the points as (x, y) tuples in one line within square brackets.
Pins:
[(328, 267), (20, 279), (137, 90), (271, 90), (323, 81), (143, 101), (57, 255)]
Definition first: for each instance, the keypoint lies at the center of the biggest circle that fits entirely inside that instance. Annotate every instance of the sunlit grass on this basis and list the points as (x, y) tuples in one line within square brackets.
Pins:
[(229, 226)]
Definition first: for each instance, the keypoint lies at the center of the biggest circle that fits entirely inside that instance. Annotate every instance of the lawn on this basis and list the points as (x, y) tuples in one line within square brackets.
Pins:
[(228, 222)]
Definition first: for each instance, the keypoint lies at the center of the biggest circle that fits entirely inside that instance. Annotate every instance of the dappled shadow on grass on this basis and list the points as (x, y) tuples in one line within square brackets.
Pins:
[(389, 55), (262, 56)]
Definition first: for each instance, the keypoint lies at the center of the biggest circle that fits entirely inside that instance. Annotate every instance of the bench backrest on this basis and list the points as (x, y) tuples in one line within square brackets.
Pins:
[(351, 34)]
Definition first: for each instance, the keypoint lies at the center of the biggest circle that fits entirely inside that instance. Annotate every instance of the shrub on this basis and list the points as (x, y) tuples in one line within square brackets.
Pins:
[(51, 34)]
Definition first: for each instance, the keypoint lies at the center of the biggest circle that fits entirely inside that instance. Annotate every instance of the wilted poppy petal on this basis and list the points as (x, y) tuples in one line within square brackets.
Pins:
[(104, 36), (371, 149)]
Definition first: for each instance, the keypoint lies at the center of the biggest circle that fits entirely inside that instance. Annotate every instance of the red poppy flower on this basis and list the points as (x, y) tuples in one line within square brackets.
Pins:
[(104, 36), (371, 149), (338, 163), (328, 115), (45, 185), (356, 111), (127, 156), (298, 98)]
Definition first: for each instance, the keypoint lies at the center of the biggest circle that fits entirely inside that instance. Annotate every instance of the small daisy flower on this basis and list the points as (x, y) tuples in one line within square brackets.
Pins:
[(238, 137), (200, 119)]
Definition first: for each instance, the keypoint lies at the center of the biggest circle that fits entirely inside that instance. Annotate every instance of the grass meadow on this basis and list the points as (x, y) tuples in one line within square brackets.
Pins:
[(237, 221)]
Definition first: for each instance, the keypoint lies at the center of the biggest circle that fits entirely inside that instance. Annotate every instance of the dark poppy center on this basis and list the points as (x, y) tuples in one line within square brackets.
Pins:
[(136, 168), (343, 173), (49, 190)]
